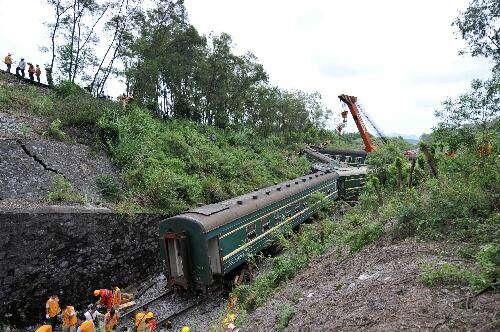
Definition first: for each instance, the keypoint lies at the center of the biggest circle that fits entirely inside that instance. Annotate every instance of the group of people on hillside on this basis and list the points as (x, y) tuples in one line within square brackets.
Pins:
[(20, 69), (93, 319)]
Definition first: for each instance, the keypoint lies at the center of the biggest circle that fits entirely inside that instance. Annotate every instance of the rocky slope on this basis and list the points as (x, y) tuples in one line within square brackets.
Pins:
[(377, 289), (29, 163)]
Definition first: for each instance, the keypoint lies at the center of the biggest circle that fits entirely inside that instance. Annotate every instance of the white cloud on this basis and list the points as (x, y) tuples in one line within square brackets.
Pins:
[(399, 57)]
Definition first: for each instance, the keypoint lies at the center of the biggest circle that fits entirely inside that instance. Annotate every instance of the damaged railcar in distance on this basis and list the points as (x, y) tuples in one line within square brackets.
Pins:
[(206, 243)]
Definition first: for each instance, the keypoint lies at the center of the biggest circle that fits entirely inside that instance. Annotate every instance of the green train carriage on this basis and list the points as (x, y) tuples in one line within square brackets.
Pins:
[(210, 241)]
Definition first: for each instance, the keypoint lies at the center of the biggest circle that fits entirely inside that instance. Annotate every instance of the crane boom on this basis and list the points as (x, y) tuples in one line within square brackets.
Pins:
[(350, 101)]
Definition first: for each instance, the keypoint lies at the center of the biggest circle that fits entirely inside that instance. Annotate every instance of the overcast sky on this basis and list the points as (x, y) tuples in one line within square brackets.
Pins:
[(399, 57)]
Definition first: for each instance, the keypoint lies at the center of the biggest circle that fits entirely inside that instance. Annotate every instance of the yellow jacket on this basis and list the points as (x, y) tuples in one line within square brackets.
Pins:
[(52, 306), (69, 316)]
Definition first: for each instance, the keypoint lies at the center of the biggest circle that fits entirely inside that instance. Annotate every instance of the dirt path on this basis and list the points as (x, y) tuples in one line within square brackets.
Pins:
[(377, 289)]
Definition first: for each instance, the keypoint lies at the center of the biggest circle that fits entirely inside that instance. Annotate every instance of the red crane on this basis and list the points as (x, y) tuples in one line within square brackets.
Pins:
[(350, 101)]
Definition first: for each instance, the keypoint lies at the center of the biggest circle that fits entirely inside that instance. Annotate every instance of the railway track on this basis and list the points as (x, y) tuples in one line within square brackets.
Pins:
[(168, 307)]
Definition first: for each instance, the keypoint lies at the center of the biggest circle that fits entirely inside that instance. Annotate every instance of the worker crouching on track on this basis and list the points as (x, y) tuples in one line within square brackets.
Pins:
[(69, 319), (109, 298), (52, 310), (141, 320)]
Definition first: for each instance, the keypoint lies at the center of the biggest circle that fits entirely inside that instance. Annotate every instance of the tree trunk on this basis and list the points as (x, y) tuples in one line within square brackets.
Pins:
[(430, 160), (73, 29), (412, 168)]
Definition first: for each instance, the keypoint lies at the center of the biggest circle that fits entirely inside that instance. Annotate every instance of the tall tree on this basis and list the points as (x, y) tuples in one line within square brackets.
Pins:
[(479, 26)]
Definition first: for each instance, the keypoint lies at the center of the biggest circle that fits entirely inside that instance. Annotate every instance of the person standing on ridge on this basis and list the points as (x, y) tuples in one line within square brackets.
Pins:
[(20, 67), (52, 310), (31, 71), (38, 72), (8, 62)]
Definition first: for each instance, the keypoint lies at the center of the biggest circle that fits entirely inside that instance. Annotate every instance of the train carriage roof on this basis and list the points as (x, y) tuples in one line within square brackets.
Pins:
[(212, 216), (215, 215)]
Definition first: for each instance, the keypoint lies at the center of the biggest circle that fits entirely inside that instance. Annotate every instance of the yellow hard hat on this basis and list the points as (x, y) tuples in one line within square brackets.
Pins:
[(97, 292), (117, 289), (185, 329), (149, 315)]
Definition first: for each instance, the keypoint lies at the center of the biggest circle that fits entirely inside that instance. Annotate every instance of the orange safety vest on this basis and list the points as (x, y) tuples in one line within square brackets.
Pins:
[(7, 60), (87, 326), (31, 69), (53, 307), (38, 71), (69, 316), (44, 328)]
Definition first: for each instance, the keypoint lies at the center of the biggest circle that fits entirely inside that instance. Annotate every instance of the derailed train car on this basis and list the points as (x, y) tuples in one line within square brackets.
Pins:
[(203, 244)]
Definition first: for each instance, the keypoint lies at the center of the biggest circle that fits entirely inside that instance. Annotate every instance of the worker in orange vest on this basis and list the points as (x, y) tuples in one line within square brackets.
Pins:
[(106, 299), (38, 72), (69, 319), (8, 61), (140, 319), (52, 310), (31, 71)]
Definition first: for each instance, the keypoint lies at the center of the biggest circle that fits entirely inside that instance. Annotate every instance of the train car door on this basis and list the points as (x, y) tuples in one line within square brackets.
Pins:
[(177, 259)]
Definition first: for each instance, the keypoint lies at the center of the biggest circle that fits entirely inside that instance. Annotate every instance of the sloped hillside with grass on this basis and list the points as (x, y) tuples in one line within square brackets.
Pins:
[(165, 165)]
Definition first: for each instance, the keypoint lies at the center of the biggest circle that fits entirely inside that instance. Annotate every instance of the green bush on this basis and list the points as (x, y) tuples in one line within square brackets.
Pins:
[(67, 88), (285, 314), (62, 191), (55, 130), (108, 187), (364, 235), (484, 275)]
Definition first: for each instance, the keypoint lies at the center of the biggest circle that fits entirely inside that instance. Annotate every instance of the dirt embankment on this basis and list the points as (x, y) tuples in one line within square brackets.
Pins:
[(377, 289)]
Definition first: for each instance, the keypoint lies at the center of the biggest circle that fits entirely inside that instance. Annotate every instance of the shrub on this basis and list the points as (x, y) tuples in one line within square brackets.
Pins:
[(55, 130), (67, 88), (285, 314), (108, 187), (365, 235), (483, 276), (62, 191)]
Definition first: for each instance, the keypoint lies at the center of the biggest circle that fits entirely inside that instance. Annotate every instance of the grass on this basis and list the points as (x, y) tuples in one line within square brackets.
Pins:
[(54, 130), (285, 314), (484, 275), (108, 188), (62, 191)]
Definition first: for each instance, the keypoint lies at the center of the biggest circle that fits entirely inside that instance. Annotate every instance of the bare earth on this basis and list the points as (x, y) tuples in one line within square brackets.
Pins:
[(378, 289)]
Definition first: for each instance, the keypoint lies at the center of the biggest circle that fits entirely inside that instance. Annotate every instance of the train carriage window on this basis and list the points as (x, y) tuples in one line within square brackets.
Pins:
[(266, 226)]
